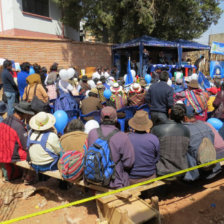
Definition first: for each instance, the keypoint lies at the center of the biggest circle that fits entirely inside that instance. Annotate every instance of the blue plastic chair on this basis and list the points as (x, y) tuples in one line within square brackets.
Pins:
[(95, 114), (144, 107), (129, 113)]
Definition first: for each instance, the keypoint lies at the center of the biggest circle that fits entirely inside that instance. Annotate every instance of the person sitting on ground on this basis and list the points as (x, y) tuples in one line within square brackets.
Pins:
[(13, 139), (136, 95), (3, 110), (219, 99), (74, 136), (64, 85), (174, 139), (84, 85), (121, 148), (101, 88), (160, 99), (43, 142), (91, 103), (103, 80), (212, 95), (21, 77), (118, 98), (198, 130), (197, 99), (35, 88), (146, 147)]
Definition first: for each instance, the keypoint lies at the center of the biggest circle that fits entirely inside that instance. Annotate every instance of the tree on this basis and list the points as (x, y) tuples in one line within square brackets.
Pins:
[(121, 20)]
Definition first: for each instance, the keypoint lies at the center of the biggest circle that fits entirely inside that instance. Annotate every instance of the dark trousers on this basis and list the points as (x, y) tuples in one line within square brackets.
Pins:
[(158, 117)]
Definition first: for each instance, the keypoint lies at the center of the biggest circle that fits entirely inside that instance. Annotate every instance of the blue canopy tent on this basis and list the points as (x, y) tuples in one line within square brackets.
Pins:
[(143, 41)]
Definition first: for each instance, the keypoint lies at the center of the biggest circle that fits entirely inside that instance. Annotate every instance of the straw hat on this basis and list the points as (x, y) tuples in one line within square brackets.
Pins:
[(42, 121), (136, 87), (193, 84), (140, 121), (116, 88), (94, 90)]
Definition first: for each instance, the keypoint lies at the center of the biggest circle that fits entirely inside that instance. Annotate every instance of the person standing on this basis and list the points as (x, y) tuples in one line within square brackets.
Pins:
[(10, 88), (160, 99)]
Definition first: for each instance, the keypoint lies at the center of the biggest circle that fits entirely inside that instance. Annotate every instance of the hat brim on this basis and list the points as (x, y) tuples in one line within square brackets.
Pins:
[(5, 110), (50, 123), (138, 127), (193, 86), (114, 90), (29, 112)]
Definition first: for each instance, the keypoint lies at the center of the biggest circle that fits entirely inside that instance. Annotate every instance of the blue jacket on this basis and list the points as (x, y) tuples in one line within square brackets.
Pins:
[(21, 79), (160, 97)]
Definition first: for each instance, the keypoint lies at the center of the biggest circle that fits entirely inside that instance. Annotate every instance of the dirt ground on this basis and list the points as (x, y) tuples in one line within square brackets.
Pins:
[(180, 203)]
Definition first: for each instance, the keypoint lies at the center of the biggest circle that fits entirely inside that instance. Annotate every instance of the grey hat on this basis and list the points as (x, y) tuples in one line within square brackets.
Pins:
[(24, 107)]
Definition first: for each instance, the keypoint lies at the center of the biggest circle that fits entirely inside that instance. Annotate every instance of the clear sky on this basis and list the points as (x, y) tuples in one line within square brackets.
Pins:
[(214, 29)]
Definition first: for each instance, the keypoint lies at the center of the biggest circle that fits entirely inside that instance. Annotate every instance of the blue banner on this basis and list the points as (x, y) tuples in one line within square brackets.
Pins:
[(217, 48), (217, 68)]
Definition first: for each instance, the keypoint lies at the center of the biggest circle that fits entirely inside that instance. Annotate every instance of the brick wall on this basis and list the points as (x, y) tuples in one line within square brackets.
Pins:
[(47, 51)]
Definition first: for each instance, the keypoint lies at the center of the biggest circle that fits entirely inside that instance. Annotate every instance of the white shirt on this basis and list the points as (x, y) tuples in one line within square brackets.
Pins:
[(95, 75), (38, 155)]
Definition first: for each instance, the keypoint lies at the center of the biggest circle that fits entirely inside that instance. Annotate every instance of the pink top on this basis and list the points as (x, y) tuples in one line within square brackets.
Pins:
[(51, 92)]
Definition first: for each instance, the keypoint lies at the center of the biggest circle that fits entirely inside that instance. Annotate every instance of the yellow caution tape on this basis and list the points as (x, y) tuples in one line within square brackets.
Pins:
[(110, 192)]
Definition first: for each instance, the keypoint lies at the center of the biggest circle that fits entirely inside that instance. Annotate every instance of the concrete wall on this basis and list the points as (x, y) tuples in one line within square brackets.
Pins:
[(18, 23), (47, 51), (7, 14), (216, 37)]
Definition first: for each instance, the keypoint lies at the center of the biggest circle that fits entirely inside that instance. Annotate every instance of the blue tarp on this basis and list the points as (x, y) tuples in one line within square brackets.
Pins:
[(192, 45), (145, 41)]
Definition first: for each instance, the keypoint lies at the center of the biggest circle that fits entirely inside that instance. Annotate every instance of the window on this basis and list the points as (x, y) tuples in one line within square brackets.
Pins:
[(39, 7)]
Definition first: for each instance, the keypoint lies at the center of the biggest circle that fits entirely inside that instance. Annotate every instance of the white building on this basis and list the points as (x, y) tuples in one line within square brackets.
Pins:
[(33, 18)]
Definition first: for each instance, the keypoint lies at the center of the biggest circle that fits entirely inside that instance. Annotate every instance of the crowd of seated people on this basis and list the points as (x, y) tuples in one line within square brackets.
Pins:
[(161, 141)]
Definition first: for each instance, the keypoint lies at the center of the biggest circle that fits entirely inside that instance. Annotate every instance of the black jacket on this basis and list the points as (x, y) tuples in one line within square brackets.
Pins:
[(8, 82)]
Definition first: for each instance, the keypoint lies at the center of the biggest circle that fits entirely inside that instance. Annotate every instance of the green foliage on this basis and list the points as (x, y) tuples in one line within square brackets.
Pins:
[(121, 20)]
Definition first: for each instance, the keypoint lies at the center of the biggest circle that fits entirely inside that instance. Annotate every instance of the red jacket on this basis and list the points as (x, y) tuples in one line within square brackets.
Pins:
[(13, 138)]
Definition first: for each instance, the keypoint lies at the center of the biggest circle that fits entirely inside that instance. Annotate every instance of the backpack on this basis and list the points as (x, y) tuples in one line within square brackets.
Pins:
[(43, 143), (66, 102), (72, 164), (99, 167), (206, 152)]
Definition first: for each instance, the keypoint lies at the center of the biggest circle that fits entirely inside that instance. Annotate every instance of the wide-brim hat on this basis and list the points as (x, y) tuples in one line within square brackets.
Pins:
[(24, 107), (140, 121), (193, 84), (116, 88), (136, 87), (3, 107), (94, 90), (42, 121)]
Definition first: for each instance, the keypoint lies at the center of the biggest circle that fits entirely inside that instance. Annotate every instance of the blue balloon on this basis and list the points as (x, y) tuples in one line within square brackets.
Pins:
[(215, 122), (61, 120), (107, 94), (31, 70), (148, 78)]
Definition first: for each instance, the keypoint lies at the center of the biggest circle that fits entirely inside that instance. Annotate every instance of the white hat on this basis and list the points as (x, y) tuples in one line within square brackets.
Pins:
[(169, 82), (42, 121), (2, 61), (135, 87), (91, 83), (71, 73), (188, 78), (63, 73), (90, 125), (194, 76), (116, 88)]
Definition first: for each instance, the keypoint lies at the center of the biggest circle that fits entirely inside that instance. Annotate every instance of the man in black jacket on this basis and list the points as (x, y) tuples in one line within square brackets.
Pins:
[(9, 86), (160, 99)]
